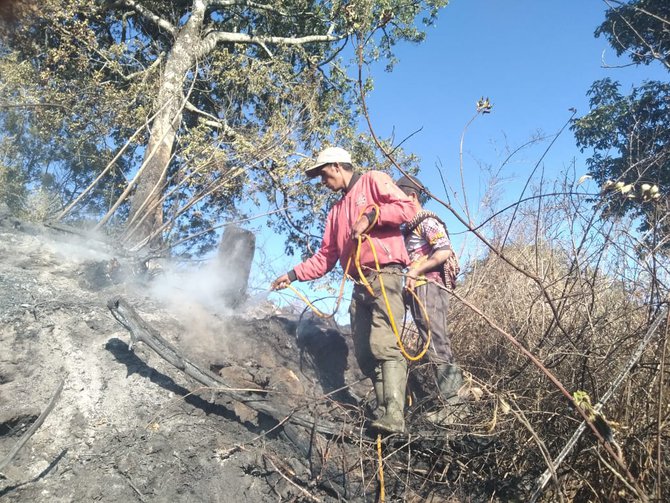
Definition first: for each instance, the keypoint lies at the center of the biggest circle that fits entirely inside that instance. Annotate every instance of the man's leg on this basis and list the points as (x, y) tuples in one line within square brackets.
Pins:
[(383, 340), (384, 347), (448, 375), (360, 316), (435, 302)]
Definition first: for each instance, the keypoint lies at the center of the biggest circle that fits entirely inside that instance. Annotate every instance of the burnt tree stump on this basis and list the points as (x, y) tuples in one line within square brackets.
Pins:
[(236, 253)]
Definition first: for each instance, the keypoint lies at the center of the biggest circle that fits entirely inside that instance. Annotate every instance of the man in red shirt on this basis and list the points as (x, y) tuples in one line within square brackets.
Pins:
[(368, 198)]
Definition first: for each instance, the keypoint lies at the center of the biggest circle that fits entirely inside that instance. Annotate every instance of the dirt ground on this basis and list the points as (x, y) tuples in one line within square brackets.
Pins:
[(126, 426), (288, 423)]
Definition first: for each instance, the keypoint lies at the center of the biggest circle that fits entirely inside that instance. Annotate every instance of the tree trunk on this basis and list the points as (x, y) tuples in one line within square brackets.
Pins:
[(146, 205)]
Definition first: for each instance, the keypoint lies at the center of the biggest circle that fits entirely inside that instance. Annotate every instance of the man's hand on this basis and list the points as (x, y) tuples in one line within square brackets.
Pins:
[(360, 227), (410, 279), (280, 283)]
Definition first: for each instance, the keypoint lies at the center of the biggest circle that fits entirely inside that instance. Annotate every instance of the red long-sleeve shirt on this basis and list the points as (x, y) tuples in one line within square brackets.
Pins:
[(372, 189)]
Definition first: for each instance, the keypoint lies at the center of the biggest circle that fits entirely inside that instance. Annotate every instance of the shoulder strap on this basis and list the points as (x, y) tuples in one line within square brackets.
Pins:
[(420, 217), (451, 268)]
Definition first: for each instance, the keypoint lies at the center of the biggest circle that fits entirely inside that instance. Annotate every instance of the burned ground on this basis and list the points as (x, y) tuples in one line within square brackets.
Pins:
[(129, 426)]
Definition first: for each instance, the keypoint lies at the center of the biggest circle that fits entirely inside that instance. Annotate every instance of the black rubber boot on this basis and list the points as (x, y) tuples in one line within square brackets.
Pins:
[(449, 382), (395, 382), (378, 385)]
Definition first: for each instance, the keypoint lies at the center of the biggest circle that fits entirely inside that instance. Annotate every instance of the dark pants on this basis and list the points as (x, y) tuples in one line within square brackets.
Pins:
[(435, 301), (373, 336)]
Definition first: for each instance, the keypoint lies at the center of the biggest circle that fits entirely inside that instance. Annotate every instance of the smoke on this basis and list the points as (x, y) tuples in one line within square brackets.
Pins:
[(208, 286), (198, 305), (81, 249), (203, 300)]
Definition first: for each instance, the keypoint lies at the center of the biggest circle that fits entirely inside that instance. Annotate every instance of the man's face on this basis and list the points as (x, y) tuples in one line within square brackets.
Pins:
[(331, 177), (415, 199)]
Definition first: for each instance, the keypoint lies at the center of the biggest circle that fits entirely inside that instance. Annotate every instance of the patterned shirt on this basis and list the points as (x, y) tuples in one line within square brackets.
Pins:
[(429, 236)]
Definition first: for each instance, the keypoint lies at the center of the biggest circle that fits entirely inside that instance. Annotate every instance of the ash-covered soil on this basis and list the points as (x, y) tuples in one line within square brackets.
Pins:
[(128, 426), (257, 405)]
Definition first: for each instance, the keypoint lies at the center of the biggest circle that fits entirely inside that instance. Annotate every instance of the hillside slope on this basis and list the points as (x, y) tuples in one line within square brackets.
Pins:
[(257, 405), (125, 427)]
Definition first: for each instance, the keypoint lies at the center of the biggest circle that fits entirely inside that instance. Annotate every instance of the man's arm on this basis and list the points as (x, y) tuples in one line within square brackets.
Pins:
[(435, 234), (393, 206), (281, 282), (433, 261), (315, 266)]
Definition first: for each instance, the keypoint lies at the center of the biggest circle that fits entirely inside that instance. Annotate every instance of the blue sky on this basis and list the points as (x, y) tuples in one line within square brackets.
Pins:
[(534, 59)]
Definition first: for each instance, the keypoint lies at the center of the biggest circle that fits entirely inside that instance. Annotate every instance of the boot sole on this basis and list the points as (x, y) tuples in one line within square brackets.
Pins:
[(380, 427)]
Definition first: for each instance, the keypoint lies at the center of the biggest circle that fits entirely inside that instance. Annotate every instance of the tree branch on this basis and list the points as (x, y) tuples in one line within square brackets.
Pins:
[(33, 427), (211, 120), (242, 38), (639, 9), (546, 476), (141, 331), (643, 41), (164, 24), (245, 3)]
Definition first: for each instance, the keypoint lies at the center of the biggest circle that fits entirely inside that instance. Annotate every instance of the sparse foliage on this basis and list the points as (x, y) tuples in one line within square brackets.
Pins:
[(630, 138), (604, 302), (210, 104), (639, 29)]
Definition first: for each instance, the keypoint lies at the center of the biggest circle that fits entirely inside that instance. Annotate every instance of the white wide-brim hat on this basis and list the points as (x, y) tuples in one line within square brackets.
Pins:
[(328, 156)]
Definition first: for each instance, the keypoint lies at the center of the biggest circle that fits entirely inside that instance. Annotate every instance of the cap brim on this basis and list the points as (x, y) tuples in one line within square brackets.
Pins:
[(314, 170), (406, 184)]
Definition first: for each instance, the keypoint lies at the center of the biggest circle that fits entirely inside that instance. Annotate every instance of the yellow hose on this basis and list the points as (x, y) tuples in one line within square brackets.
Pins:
[(388, 307), (367, 285), (316, 311), (381, 468)]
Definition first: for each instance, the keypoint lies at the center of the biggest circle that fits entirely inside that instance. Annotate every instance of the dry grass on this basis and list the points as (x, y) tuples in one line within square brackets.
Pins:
[(580, 302)]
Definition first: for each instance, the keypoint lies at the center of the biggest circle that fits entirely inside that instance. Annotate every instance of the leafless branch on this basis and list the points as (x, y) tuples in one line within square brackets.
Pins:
[(544, 478), (218, 37), (33, 427)]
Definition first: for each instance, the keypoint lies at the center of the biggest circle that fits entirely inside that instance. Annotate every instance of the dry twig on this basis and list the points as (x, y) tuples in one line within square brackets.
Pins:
[(33, 427)]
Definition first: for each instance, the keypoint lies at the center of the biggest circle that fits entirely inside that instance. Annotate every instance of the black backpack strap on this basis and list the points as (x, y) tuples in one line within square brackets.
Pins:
[(451, 267)]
